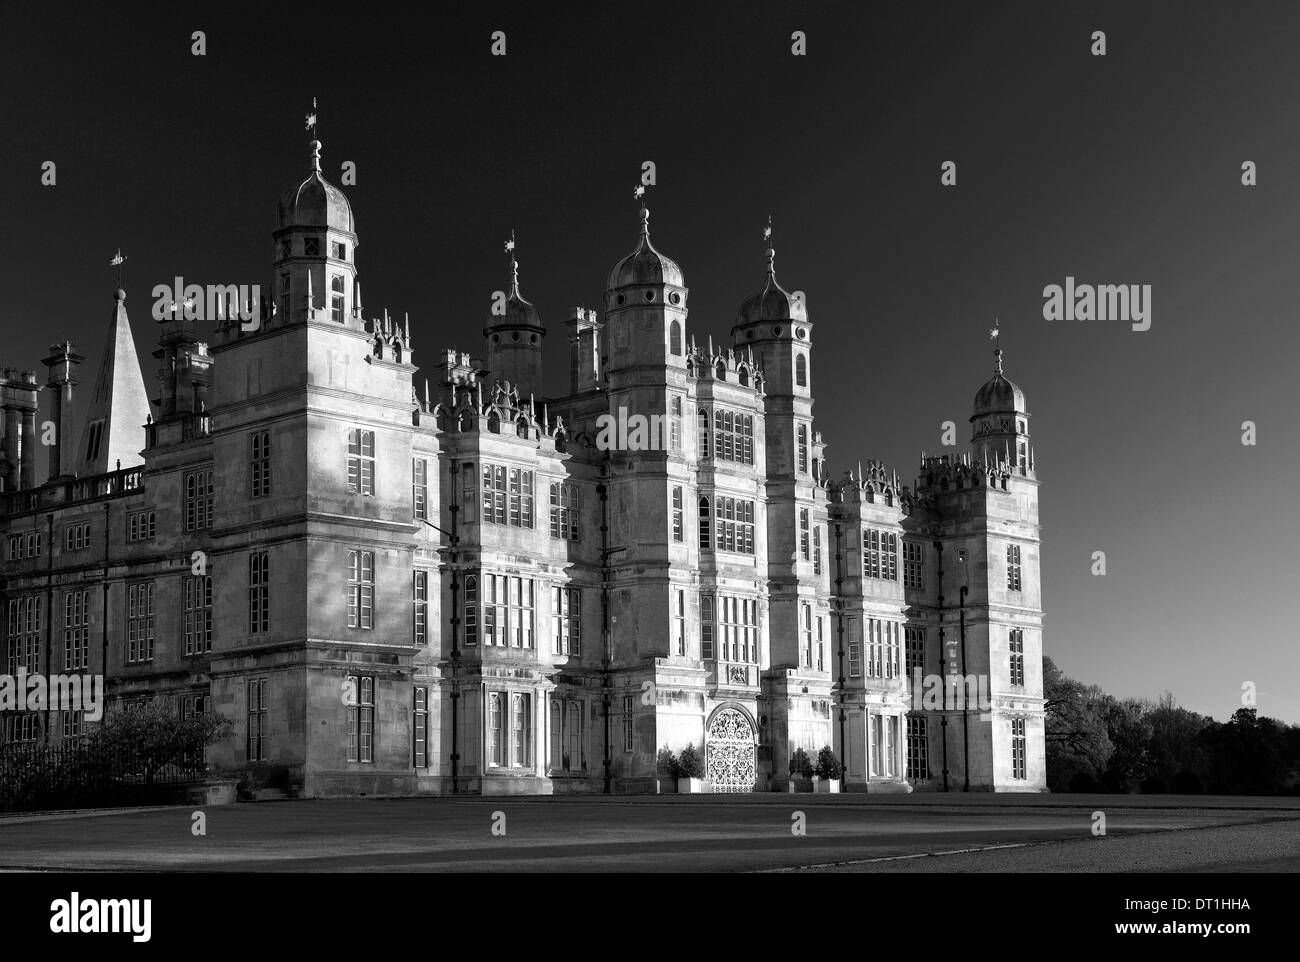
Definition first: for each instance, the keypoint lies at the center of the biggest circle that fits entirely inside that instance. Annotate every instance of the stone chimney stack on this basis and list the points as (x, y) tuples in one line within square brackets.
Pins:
[(62, 363)]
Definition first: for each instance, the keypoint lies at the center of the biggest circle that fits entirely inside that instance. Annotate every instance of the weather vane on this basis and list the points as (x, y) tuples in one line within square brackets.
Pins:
[(117, 260), (311, 119)]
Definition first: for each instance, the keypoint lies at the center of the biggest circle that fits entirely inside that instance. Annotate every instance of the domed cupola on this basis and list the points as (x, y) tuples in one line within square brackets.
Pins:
[(771, 302), (1000, 422), (315, 202), (645, 265), (998, 395), (514, 335)]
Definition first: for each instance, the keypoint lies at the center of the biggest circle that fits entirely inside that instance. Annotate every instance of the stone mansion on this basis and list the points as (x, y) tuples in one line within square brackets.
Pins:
[(457, 585)]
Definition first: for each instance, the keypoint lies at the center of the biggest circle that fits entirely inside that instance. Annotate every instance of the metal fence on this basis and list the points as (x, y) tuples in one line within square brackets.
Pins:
[(37, 778)]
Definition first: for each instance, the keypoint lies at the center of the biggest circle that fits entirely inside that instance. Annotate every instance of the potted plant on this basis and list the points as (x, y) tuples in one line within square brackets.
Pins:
[(666, 766), (828, 770), (801, 771), (690, 771)]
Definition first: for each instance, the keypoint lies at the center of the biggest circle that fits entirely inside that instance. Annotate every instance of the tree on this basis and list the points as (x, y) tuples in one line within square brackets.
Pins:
[(1077, 741), (153, 735)]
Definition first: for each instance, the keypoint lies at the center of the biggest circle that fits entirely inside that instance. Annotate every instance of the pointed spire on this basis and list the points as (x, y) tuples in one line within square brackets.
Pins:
[(514, 265), (311, 298), (387, 324), (406, 329), (426, 394), (119, 406), (358, 283)]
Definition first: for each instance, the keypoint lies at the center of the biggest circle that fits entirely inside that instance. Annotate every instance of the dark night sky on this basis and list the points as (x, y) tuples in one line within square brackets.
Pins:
[(1122, 169)]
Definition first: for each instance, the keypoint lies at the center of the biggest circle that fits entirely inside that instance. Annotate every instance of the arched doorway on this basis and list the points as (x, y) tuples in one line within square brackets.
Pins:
[(730, 753)]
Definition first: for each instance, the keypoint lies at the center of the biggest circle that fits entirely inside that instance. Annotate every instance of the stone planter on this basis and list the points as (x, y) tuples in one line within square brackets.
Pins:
[(213, 792), (826, 786), (690, 786)]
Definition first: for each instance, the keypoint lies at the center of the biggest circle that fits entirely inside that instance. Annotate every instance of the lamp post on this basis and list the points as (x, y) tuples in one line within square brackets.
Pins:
[(454, 540)]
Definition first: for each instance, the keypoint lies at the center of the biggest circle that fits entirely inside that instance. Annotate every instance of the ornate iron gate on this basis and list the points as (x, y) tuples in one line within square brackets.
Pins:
[(731, 752)]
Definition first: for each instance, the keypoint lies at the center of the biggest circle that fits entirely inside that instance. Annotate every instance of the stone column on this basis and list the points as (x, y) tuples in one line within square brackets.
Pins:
[(11, 415)]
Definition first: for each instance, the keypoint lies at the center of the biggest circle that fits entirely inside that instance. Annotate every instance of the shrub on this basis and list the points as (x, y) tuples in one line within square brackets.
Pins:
[(667, 763), (828, 766), (800, 764), (689, 763)]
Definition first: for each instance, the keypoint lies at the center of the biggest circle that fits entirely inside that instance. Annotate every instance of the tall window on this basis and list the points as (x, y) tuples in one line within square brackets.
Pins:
[(627, 722), (256, 719), (806, 633), (471, 610), (420, 728), (675, 339), (259, 592), (855, 648), (891, 745), (738, 624), (879, 554), (336, 298), (678, 525), (73, 723), (361, 719), (1017, 658), (706, 540), (496, 729), (22, 728), (76, 630), (675, 423), (735, 525), (821, 645), (361, 589), (679, 620), (361, 461), (1013, 567), (918, 749), (286, 295), (1018, 740), (519, 730), (198, 499), (706, 627), (735, 436), (24, 635), (804, 534), (574, 757), (507, 496), (259, 463), (802, 437), (877, 736), (420, 607), (817, 549), (564, 511), (913, 565), (140, 525), (566, 620), (704, 434), (508, 611), (139, 622), (915, 651), (801, 370), (420, 488), (197, 592)]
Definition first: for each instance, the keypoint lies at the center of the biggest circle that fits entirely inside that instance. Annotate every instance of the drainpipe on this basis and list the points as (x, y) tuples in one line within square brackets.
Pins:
[(453, 507), (49, 615), (965, 708), (604, 625), (943, 719), (839, 631)]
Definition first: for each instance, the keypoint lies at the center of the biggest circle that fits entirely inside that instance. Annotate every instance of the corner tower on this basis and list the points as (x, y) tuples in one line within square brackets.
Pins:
[(514, 338)]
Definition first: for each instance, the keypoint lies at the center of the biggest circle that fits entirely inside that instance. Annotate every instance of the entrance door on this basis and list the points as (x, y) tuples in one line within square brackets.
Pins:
[(730, 755)]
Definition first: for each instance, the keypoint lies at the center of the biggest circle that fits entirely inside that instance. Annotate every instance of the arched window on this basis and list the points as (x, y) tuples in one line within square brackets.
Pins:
[(720, 371), (706, 627), (379, 347), (397, 351), (561, 442), (704, 433), (801, 370), (675, 339), (743, 377), (705, 527), (521, 427), (494, 423), (336, 298)]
